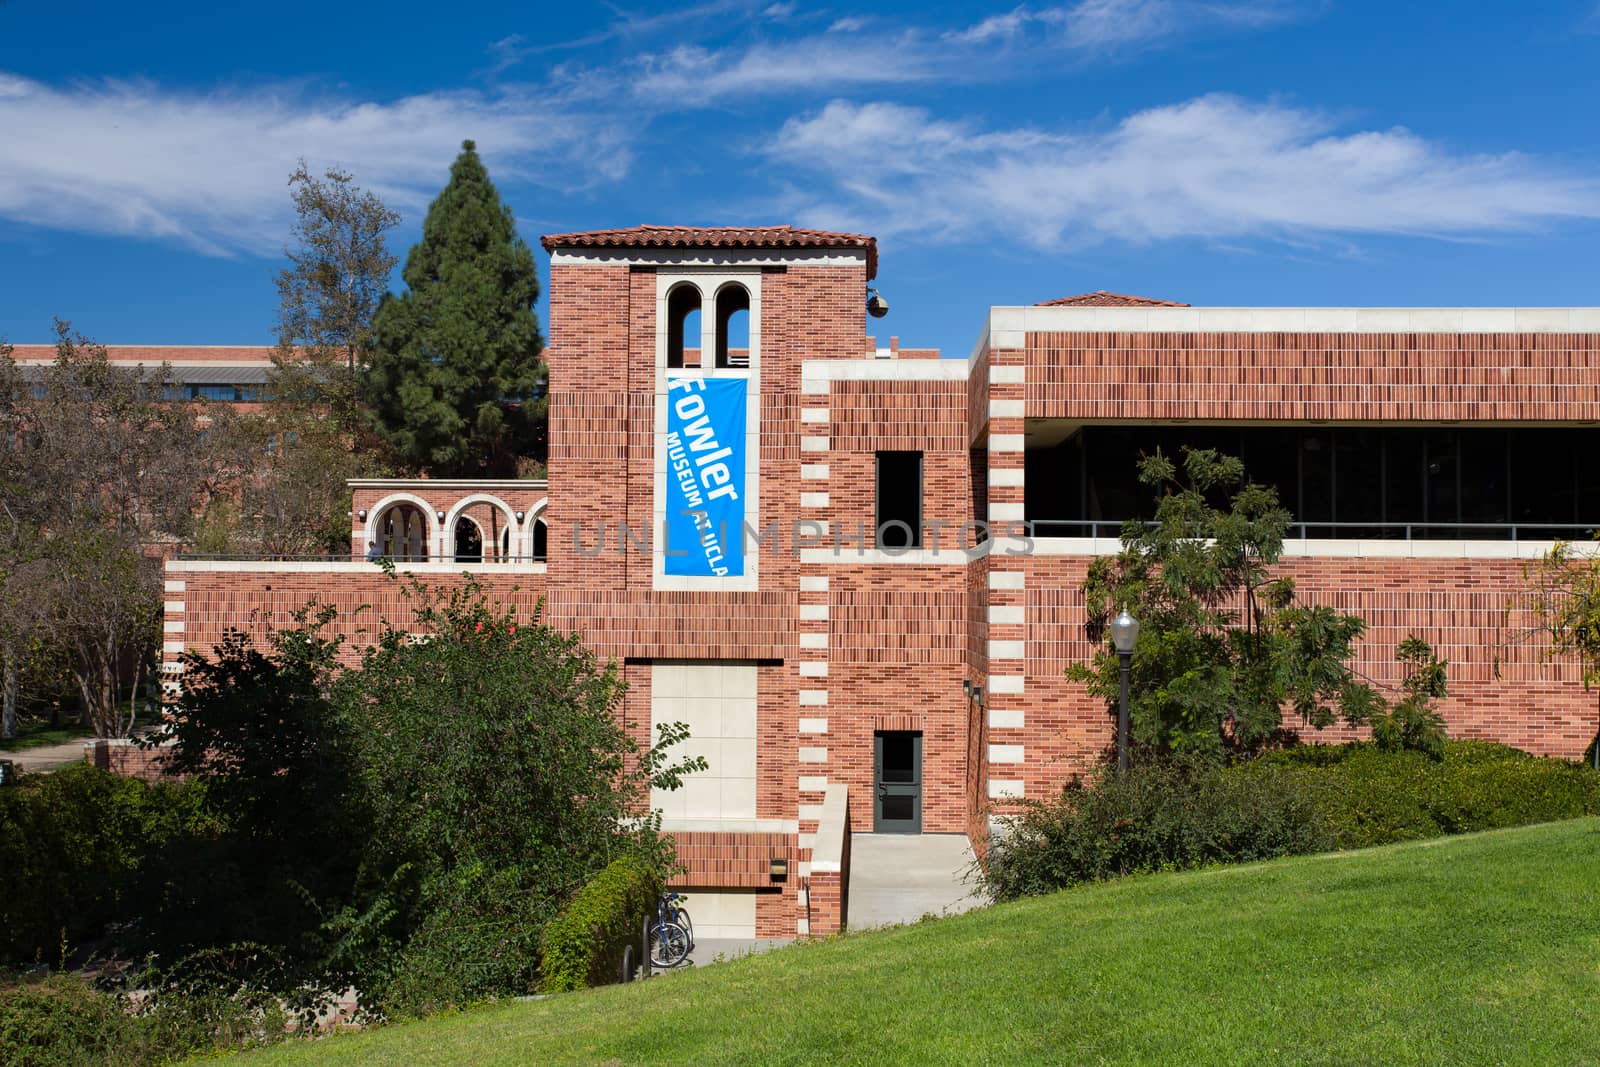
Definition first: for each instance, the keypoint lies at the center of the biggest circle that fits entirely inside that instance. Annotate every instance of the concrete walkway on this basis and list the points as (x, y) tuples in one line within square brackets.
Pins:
[(46, 757), (899, 878)]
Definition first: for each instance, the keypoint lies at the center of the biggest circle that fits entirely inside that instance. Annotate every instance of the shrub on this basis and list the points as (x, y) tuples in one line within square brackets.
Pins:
[(584, 945), (72, 846), (1366, 796), (1307, 799), (1159, 816), (62, 1021)]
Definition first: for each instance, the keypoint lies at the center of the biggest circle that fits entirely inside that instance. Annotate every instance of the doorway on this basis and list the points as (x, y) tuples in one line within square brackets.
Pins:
[(897, 774), (469, 542)]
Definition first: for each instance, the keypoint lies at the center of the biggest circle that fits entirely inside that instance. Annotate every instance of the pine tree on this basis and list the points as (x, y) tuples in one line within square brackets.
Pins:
[(456, 384)]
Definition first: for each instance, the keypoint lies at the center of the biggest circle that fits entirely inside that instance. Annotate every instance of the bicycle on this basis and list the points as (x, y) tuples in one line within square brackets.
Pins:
[(669, 942), (677, 913)]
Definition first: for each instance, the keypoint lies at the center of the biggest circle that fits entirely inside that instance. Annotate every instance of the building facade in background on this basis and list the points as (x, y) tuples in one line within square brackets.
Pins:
[(854, 570)]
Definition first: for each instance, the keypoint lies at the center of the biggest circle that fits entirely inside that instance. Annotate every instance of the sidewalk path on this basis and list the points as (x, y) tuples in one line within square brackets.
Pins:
[(46, 757)]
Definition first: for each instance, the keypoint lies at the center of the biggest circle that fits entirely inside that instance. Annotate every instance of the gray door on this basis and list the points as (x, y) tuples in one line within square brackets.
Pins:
[(897, 770)]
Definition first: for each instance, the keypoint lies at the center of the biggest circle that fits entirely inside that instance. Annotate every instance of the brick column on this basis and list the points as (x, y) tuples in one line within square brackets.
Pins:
[(1007, 608)]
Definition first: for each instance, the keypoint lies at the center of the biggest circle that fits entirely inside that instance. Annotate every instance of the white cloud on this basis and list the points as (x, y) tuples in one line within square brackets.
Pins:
[(691, 76), (211, 169), (1215, 168), (1104, 25)]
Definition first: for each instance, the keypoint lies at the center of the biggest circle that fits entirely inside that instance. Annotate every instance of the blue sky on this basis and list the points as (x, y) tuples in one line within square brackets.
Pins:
[(1217, 151)]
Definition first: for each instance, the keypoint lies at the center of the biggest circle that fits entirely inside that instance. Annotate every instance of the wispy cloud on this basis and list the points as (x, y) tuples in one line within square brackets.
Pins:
[(1107, 25), (210, 169), (1216, 167), (846, 56)]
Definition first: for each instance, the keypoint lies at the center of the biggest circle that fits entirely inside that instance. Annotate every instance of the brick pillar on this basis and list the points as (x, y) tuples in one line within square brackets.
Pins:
[(1007, 598)]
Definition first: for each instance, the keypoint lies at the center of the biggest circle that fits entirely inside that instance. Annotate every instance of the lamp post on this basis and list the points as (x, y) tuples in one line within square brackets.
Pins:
[(1124, 632)]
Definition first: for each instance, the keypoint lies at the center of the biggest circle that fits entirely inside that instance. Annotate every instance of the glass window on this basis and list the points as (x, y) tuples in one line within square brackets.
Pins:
[(899, 517)]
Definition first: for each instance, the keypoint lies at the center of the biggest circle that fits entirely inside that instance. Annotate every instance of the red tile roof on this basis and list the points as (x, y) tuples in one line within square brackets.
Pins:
[(1103, 299), (715, 237)]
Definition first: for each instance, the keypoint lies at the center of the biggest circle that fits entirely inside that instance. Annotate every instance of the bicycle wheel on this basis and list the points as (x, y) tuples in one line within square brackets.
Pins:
[(669, 945), (682, 919)]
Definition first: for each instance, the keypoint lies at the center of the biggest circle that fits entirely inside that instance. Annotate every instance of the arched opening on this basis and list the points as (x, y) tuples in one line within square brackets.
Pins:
[(541, 540), (403, 534), (683, 326), (469, 541), (733, 326), (505, 544)]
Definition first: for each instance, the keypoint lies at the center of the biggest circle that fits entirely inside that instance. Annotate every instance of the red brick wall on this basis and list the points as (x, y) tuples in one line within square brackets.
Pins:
[(1383, 377), (1458, 605)]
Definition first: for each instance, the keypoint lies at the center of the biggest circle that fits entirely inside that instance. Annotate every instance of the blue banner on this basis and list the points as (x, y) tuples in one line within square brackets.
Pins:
[(705, 476)]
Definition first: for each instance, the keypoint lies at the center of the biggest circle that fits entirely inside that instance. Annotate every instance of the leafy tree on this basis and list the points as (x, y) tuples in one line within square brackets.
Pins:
[(1564, 604), (1413, 722), (502, 779), (411, 824), (99, 470), (1223, 645), (339, 265), (282, 781), (456, 384), (310, 436)]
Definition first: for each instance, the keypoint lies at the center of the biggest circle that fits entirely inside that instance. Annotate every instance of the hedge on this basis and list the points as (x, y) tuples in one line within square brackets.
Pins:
[(72, 845), (1368, 797), (1174, 815), (584, 945)]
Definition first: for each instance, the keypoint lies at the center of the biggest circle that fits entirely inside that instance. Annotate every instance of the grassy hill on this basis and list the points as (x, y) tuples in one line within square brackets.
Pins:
[(1475, 949)]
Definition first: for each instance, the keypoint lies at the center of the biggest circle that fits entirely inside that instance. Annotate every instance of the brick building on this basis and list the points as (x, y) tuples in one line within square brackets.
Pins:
[(225, 374), (885, 643)]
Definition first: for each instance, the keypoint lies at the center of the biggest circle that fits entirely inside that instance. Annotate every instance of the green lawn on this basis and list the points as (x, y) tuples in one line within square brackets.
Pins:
[(1475, 949), (38, 733)]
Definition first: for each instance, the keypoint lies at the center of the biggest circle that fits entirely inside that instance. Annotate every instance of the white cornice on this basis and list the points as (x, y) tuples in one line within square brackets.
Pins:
[(1007, 325)]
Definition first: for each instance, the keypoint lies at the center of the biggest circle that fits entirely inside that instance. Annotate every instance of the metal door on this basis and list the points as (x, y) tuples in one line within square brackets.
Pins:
[(897, 792)]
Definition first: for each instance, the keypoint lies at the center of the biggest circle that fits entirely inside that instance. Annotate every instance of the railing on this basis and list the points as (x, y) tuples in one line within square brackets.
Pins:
[(345, 557), (1391, 531)]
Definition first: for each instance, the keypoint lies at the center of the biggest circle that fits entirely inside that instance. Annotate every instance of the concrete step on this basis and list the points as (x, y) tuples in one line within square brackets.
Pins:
[(899, 878)]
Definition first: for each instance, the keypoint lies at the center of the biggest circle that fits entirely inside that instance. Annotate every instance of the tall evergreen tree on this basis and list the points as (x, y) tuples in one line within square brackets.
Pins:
[(456, 383)]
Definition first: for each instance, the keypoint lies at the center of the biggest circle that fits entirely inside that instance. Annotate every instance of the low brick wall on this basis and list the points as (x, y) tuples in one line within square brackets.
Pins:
[(827, 890), (129, 759)]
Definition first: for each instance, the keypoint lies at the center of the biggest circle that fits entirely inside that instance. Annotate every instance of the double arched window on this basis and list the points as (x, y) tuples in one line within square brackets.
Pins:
[(686, 334)]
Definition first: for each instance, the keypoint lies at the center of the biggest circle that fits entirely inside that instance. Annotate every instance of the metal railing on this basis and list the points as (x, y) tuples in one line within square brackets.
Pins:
[(1377, 531), (347, 557)]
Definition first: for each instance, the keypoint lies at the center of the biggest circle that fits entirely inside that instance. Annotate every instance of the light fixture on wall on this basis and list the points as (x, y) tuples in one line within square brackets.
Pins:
[(439, 515), (779, 868), (362, 514), (977, 695), (519, 516), (966, 688), (877, 306)]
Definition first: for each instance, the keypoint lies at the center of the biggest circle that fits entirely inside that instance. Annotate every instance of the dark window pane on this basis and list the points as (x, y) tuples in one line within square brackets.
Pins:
[(899, 808), (1316, 480), (1483, 481), (1403, 489), (1358, 480), (899, 519), (899, 758)]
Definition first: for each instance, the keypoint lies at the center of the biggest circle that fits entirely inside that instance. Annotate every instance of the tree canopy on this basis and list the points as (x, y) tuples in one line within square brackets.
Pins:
[(1224, 645), (455, 385)]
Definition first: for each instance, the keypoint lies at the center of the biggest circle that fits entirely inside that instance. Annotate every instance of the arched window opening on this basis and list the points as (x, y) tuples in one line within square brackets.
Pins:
[(541, 540), (683, 327), (403, 534), (733, 326), (469, 541), (505, 543)]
